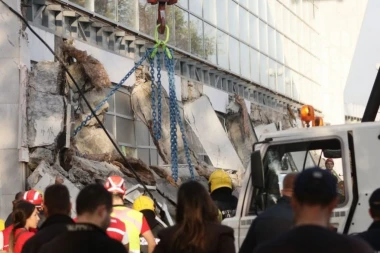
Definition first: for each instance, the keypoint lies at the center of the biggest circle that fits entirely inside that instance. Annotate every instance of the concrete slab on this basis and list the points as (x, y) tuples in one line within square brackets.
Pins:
[(11, 172), (8, 126), (203, 120), (9, 36), (218, 98), (9, 79), (38, 51)]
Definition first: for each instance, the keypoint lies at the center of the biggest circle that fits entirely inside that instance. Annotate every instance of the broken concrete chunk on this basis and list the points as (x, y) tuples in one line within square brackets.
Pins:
[(94, 97), (38, 155), (167, 190), (92, 140), (42, 169), (46, 77)]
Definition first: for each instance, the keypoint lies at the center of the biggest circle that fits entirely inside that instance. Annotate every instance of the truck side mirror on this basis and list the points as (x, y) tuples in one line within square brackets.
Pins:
[(257, 170)]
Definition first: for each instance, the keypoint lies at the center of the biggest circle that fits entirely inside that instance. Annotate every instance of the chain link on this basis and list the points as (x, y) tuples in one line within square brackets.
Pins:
[(159, 91), (100, 105)]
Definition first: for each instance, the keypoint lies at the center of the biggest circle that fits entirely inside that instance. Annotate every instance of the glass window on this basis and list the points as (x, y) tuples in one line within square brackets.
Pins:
[(253, 6), (254, 27), (109, 123), (294, 55), (263, 5), (280, 47), (181, 29), (153, 157), (107, 8), (210, 43), (272, 12), (183, 3), (244, 61), (288, 82), (264, 70), (272, 72), (255, 66), (244, 2), (307, 64), (196, 36), (144, 155), (293, 27), (316, 70), (222, 49), (263, 38), (234, 55), (78, 2), (300, 61), (196, 7), (142, 134), (299, 31), (127, 12), (111, 101), (286, 24), (279, 16), (147, 16), (305, 10), (209, 8), (125, 131), (272, 42), (244, 25), (123, 104), (233, 18), (286, 50), (295, 86), (222, 15), (280, 79)]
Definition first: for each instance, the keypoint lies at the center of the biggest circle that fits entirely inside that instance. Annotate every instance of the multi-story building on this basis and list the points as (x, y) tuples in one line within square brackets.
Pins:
[(270, 52)]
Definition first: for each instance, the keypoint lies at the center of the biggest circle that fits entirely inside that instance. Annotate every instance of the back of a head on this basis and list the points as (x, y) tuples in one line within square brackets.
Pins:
[(315, 186), (143, 203), (57, 200), (22, 211), (220, 179), (194, 202), (91, 197), (374, 204)]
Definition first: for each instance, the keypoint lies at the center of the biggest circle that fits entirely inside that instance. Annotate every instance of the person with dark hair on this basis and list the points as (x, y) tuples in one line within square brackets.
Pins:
[(314, 199), (197, 227), (57, 209), (372, 235), (274, 220), (18, 197), (25, 217), (94, 207), (35, 197)]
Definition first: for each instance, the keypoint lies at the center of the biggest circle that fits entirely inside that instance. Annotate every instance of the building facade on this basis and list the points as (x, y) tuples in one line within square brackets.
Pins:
[(269, 52)]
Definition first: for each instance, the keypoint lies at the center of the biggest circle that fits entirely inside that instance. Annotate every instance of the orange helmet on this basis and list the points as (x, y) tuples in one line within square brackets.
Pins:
[(115, 184), (33, 197)]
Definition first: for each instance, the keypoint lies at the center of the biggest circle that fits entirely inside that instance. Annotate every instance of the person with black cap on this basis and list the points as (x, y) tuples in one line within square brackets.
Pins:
[(314, 199), (372, 235)]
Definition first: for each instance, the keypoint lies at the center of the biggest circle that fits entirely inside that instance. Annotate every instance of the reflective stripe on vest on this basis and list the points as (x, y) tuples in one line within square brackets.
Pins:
[(133, 223)]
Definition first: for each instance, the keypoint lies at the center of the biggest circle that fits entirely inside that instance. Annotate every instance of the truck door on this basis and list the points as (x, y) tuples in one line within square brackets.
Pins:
[(286, 155)]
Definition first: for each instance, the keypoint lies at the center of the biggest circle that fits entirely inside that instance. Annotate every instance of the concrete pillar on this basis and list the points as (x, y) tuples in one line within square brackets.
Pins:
[(14, 63)]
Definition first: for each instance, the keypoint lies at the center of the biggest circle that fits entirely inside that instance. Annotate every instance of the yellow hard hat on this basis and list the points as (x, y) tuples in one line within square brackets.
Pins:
[(143, 203), (219, 179)]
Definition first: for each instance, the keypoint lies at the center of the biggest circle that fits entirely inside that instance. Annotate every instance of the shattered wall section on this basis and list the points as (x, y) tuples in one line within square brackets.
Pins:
[(45, 111)]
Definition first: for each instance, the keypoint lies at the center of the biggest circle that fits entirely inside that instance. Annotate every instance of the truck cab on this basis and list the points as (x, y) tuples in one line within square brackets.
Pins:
[(354, 148)]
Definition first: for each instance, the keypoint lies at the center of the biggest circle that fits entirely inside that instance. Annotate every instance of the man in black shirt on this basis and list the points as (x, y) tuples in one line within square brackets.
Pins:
[(372, 235), (314, 199), (94, 207), (57, 209), (273, 221)]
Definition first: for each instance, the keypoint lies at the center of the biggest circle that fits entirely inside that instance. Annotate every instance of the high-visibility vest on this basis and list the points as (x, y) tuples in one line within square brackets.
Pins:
[(133, 222)]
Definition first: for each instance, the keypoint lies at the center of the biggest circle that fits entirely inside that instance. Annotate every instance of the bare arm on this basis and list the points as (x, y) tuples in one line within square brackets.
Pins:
[(150, 240)]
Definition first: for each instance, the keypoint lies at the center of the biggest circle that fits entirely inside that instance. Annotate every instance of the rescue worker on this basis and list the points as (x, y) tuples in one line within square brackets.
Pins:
[(330, 165), (135, 222), (372, 235), (94, 207), (18, 197), (220, 184), (274, 220), (57, 208), (146, 206), (35, 197), (314, 199)]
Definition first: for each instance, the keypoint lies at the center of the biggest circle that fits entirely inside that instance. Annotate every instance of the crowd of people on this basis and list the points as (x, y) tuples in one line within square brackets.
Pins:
[(299, 222)]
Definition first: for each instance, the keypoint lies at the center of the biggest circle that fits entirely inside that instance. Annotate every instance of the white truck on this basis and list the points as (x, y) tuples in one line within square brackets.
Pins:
[(356, 146)]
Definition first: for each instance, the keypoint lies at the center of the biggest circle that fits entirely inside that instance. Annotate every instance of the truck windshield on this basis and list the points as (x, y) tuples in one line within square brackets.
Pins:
[(281, 159)]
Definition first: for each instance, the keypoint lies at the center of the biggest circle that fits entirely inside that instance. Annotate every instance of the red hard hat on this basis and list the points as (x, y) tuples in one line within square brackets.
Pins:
[(33, 197), (115, 184), (330, 160)]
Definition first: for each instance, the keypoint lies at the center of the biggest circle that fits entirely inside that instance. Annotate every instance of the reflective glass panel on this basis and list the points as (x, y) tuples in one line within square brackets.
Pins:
[(255, 66), (222, 14), (210, 43), (181, 29), (244, 25), (107, 8), (254, 31), (196, 36), (245, 68), (127, 12), (233, 18), (263, 5), (263, 37), (209, 9), (196, 7), (222, 49), (272, 42), (234, 55), (264, 70)]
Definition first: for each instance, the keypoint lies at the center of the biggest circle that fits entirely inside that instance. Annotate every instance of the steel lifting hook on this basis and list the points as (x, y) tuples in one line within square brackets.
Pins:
[(161, 12)]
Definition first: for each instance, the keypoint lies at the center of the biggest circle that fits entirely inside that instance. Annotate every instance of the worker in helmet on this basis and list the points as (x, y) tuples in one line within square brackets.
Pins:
[(145, 205), (330, 165), (135, 222), (35, 197), (221, 192)]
